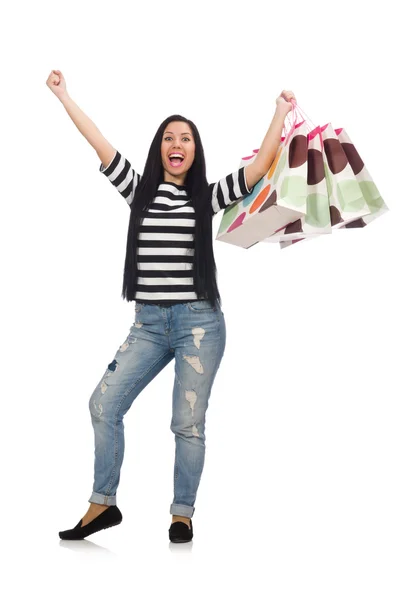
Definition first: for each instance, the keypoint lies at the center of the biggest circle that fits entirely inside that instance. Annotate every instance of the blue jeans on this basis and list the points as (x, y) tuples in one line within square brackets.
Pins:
[(193, 333)]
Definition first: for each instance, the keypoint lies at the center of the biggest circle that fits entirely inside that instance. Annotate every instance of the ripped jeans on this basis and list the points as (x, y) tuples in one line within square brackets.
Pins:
[(193, 333)]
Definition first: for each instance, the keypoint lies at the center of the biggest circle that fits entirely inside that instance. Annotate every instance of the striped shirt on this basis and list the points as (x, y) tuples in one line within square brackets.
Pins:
[(165, 244)]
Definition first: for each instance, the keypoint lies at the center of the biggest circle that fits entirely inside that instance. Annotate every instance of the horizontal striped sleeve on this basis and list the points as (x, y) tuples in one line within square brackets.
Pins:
[(122, 176), (228, 190)]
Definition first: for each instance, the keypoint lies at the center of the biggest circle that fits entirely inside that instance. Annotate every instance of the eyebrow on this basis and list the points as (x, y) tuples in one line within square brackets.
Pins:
[(186, 133)]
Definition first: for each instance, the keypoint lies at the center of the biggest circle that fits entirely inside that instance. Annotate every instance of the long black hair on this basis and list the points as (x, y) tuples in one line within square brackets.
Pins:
[(204, 267)]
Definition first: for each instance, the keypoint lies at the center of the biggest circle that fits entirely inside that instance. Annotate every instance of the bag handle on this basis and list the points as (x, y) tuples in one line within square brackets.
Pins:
[(297, 113), (305, 117)]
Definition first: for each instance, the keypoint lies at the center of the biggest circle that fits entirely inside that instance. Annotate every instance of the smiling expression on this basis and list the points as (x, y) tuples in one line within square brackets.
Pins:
[(177, 139)]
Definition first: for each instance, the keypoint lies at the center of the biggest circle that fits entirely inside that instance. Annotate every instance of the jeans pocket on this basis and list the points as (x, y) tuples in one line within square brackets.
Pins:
[(201, 306)]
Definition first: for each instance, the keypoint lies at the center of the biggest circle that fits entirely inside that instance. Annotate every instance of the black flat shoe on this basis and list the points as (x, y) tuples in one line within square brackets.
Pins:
[(180, 532), (108, 518)]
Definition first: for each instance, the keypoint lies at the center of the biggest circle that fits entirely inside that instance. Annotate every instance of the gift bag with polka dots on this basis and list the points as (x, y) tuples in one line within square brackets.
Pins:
[(276, 200), (374, 201), (317, 220), (354, 199)]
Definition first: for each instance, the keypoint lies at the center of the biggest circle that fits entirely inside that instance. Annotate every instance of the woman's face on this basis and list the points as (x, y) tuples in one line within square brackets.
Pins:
[(178, 139)]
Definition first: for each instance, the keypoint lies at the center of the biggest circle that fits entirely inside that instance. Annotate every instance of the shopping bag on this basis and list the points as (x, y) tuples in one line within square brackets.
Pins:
[(317, 219), (370, 192), (354, 199), (277, 199), (346, 202)]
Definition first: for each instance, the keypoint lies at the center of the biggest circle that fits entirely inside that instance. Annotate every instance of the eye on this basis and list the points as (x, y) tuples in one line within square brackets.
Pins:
[(169, 137)]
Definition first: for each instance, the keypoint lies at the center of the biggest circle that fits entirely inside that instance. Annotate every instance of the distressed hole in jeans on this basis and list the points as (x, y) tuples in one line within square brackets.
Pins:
[(191, 397), (128, 341), (98, 408), (194, 361), (198, 334), (113, 366)]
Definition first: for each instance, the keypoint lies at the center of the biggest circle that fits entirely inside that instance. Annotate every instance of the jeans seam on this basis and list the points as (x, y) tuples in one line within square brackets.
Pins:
[(140, 379)]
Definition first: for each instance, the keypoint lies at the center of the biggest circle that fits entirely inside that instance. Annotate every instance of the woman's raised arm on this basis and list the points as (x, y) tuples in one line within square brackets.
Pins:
[(105, 151)]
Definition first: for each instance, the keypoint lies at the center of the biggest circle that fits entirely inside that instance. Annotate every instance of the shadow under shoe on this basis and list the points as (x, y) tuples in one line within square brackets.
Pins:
[(108, 518), (180, 532)]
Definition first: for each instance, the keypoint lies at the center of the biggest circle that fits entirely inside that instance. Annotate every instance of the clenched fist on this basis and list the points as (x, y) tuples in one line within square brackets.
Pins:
[(56, 82), (286, 101)]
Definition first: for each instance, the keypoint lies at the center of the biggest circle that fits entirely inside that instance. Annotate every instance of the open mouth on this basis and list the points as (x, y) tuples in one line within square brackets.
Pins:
[(176, 162)]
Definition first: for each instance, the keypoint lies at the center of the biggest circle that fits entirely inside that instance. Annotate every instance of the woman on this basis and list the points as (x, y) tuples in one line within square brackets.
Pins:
[(170, 273)]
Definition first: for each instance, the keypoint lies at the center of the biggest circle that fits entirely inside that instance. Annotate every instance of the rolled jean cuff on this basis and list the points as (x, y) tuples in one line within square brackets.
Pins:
[(183, 510), (102, 499)]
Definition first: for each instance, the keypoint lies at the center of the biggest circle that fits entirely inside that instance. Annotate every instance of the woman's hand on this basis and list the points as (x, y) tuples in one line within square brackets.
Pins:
[(285, 101), (57, 84)]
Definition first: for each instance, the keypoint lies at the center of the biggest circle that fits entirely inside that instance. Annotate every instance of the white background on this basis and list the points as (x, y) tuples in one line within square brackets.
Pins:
[(298, 493)]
